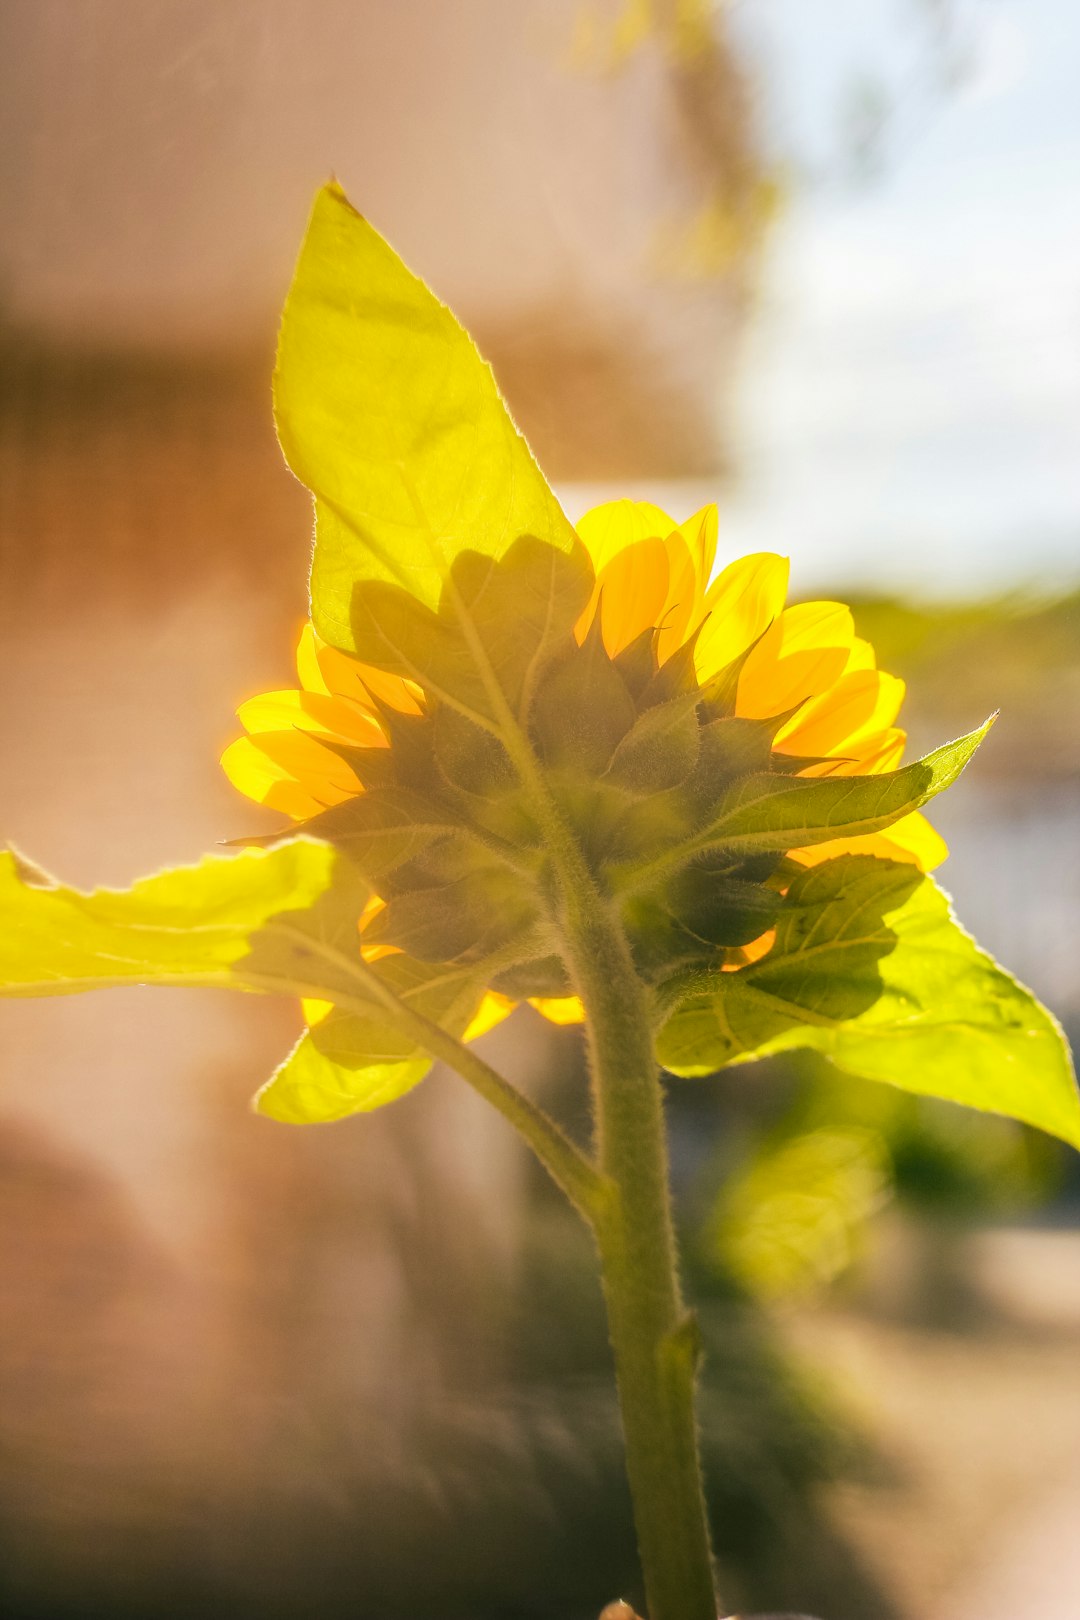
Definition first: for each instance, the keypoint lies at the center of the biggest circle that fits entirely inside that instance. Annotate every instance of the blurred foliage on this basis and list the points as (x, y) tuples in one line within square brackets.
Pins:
[(794, 1211), (717, 231)]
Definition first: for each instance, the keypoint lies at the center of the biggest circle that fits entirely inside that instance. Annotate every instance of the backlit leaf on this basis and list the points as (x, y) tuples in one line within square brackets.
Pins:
[(387, 413), (871, 967), (766, 811), (283, 921)]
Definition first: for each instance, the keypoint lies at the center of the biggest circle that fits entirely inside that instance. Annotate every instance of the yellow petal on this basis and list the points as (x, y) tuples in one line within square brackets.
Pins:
[(740, 603), (858, 705), (631, 590), (608, 529), (683, 600), (745, 954), (861, 656), (691, 550), (348, 677), (307, 661), (559, 1009), (393, 690), (341, 718), (801, 654), (289, 771), (261, 778), (699, 534), (315, 1011), (491, 1011), (914, 839), (910, 839), (868, 756)]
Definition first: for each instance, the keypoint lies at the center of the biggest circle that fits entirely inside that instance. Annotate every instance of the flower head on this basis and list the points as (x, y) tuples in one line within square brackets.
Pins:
[(786, 689)]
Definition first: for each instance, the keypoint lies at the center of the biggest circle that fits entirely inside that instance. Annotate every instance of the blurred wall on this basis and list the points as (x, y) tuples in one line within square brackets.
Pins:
[(217, 1331), (157, 163)]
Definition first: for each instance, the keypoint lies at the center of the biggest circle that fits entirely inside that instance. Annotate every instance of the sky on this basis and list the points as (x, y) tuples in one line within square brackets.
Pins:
[(909, 403)]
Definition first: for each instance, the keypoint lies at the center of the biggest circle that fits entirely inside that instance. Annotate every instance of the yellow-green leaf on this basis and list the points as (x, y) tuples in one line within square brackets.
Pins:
[(312, 1089), (283, 921), (387, 413), (871, 967), (766, 811)]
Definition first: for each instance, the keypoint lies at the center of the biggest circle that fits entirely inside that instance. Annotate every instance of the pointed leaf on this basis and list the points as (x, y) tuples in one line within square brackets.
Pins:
[(778, 812), (499, 620), (283, 921), (387, 413), (871, 967)]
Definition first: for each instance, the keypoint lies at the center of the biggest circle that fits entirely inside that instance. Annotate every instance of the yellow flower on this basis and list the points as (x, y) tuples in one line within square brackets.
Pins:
[(803, 662), (807, 658)]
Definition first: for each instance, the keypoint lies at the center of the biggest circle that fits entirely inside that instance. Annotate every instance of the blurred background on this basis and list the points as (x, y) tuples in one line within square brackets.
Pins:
[(818, 259)]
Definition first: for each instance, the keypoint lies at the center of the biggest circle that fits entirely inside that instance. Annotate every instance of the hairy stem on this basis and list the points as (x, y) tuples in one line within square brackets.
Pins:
[(654, 1340)]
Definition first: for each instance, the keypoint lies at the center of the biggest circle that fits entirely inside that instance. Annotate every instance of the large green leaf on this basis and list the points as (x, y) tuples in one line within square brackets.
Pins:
[(766, 811), (422, 483), (871, 967), (283, 921)]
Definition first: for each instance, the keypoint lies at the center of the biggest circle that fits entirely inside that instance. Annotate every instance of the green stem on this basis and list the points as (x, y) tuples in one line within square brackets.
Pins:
[(628, 1205), (568, 1167), (654, 1340)]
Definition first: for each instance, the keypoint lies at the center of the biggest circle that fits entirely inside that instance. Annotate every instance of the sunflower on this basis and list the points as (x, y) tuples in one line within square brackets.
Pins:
[(801, 669)]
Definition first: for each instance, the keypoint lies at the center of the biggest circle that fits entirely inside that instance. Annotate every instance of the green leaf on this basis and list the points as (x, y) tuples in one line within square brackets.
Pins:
[(777, 812), (283, 921), (349, 1064), (310, 1088), (871, 968), (387, 413)]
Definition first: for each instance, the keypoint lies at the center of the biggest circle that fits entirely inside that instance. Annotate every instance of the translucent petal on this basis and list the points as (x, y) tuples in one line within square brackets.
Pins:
[(491, 1011), (861, 656), (307, 661), (879, 751), (745, 954), (740, 603), (911, 839), (263, 778), (608, 529), (858, 705), (699, 534), (348, 677), (559, 1009), (683, 601), (631, 590), (799, 656), (341, 718), (290, 771)]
